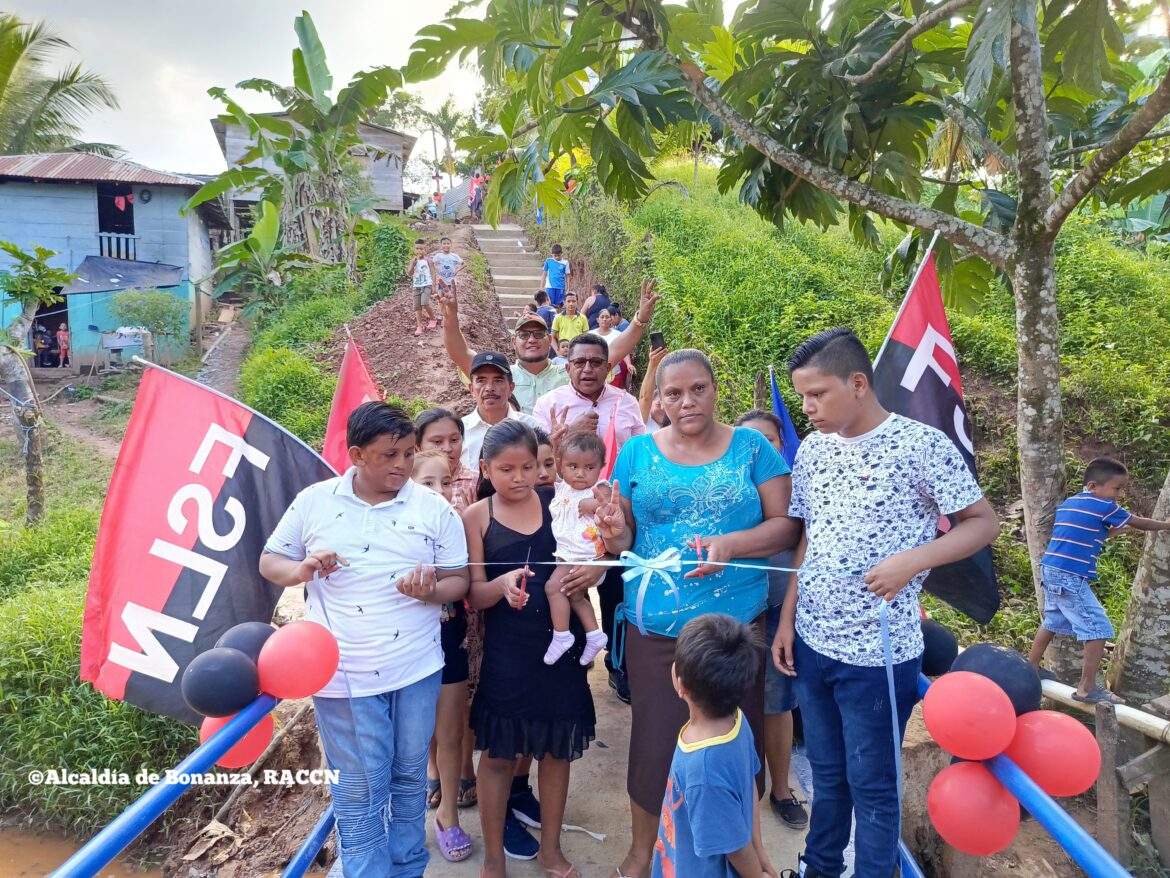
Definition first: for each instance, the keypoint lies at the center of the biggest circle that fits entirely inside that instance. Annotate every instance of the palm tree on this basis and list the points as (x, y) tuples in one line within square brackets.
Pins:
[(447, 121), (40, 112)]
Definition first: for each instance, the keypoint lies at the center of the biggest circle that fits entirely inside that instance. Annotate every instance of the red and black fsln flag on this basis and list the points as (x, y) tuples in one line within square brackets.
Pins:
[(917, 376), (199, 484)]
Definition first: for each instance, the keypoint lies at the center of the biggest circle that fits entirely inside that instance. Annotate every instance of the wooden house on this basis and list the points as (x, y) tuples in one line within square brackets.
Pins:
[(383, 161), (97, 212)]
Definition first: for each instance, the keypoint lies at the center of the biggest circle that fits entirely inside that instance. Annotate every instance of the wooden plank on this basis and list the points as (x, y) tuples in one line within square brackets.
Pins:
[(1140, 770), (1159, 788), (1113, 829)]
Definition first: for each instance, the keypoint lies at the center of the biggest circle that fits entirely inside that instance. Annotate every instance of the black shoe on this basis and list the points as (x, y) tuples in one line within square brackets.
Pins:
[(804, 870), (524, 807), (620, 685), (518, 843), (790, 811)]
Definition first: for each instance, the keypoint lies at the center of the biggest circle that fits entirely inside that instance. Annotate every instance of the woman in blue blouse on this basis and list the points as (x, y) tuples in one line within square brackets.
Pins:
[(701, 479)]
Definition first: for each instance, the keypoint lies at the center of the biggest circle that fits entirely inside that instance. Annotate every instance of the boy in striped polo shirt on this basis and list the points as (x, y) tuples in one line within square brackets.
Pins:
[(1083, 523)]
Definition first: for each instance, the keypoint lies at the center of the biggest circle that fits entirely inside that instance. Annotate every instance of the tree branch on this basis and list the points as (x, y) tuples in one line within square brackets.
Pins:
[(1152, 112), (956, 115), (990, 245), (1089, 147), (924, 23)]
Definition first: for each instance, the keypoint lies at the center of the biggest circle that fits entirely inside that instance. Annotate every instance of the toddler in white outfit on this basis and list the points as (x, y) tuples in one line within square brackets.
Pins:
[(580, 459)]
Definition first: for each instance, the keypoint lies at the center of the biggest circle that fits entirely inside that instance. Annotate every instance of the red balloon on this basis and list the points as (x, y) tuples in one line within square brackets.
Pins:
[(298, 660), (972, 811), (967, 714), (1056, 751), (248, 749)]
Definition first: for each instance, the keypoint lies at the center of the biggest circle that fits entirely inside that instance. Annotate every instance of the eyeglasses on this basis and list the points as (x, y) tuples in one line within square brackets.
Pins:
[(582, 362), (538, 334)]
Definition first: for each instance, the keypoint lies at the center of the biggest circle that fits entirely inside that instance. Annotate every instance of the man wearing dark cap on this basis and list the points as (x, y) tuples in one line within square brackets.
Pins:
[(533, 374), (491, 387)]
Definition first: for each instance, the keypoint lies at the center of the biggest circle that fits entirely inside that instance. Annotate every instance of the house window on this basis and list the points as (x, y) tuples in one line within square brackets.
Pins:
[(115, 202)]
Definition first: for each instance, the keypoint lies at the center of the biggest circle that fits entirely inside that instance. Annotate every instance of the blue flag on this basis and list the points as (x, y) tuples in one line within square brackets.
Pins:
[(789, 441)]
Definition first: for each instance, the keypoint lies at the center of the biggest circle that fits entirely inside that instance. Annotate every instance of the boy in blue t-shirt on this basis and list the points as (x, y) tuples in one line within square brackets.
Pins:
[(710, 824), (1083, 523), (556, 270)]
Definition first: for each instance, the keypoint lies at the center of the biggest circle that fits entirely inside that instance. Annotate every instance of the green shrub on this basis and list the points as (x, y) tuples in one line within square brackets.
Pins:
[(748, 293), (287, 387), (385, 253), (161, 313), (306, 322), (50, 719)]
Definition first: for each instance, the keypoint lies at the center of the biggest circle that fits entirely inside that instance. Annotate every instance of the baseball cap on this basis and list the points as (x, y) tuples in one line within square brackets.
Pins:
[(494, 359), (531, 319)]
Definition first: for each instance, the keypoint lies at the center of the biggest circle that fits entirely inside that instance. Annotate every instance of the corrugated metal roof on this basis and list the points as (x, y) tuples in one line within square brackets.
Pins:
[(99, 274), (88, 167)]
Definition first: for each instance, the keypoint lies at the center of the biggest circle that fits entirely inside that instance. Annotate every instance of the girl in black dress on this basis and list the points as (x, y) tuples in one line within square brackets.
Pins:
[(523, 707)]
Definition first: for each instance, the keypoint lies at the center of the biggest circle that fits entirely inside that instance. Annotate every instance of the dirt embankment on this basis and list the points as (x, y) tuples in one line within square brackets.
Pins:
[(411, 367)]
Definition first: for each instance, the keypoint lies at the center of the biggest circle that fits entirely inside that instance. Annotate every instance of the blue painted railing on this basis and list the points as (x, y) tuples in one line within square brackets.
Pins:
[(100, 850), (131, 823)]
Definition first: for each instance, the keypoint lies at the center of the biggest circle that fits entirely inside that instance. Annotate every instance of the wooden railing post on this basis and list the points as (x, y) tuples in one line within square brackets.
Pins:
[(1113, 830)]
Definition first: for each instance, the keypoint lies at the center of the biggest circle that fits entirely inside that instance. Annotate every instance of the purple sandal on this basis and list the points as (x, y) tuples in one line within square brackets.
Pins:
[(454, 843)]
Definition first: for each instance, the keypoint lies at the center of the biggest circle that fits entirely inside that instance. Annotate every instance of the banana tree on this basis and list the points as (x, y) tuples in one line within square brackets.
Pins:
[(260, 262), (298, 156)]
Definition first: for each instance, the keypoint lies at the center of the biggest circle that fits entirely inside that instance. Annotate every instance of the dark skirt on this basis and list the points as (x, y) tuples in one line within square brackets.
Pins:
[(658, 714)]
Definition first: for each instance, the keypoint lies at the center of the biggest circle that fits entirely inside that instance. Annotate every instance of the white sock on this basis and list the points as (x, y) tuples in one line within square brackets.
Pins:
[(595, 642), (561, 643)]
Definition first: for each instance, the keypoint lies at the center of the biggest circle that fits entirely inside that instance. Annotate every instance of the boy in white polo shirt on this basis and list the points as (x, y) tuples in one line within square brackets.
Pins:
[(380, 556)]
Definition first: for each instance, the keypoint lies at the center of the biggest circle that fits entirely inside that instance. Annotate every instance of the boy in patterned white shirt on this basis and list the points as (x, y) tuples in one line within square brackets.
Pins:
[(870, 487)]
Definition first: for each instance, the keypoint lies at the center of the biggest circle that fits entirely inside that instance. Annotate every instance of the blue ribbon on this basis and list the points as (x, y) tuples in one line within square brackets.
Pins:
[(645, 569)]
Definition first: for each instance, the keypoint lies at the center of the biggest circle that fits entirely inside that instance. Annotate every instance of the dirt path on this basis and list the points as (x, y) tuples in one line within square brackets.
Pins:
[(72, 419), (222, 368)]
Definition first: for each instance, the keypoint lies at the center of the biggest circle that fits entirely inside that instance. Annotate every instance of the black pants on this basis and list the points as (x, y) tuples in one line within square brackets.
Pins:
[(609, 595)]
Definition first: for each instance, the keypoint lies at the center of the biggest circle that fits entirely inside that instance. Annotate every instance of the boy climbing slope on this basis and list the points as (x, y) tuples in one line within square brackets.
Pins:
[(1083, 523)]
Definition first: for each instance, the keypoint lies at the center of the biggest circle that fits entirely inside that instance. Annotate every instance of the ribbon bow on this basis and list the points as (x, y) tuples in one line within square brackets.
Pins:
[(645, 569)]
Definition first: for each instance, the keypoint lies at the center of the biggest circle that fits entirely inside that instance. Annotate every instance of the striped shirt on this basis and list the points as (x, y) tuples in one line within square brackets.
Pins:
[(1082, 524)]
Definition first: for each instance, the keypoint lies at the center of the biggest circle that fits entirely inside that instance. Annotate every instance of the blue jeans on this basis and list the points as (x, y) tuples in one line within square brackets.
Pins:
[(379, 744), (851, 751)]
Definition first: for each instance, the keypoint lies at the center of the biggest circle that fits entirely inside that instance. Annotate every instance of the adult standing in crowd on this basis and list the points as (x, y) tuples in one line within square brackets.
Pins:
[(673, 489), (534, 374), (597, 301), (623, 371), (491, 388)]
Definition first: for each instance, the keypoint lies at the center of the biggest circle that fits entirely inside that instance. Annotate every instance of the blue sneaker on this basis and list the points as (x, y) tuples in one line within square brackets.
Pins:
[(518, 843), (525, 808)]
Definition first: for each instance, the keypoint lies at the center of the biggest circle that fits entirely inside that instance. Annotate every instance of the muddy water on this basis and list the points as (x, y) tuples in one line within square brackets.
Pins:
[(28, 855)]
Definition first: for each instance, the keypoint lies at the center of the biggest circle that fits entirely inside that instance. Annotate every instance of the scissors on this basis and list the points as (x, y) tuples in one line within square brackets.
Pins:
[(524, 578)]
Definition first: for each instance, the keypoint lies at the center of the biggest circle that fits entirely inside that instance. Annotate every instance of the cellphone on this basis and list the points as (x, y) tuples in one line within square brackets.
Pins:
[(656, 341)]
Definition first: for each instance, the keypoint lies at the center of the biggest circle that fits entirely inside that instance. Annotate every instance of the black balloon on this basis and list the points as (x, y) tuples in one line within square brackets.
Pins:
[(1014, 673), (247, 637), (941, 648), (220, 682)]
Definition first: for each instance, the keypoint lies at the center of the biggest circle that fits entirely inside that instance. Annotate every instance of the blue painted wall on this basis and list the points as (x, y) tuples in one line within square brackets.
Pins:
[(63, 217), (94, 308), (59, 216)]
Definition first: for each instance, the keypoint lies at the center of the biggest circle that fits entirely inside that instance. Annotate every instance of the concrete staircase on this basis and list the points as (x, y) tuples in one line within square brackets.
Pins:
[(515, 266)]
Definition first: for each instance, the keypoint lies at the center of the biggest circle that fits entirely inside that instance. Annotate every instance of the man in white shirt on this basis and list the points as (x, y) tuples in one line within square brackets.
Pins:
[(491, 388), (379, 555)]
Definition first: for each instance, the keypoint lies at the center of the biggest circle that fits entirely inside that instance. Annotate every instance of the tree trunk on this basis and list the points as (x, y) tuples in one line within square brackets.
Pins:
[(26, 410), (1140, 669), (1039, 419)]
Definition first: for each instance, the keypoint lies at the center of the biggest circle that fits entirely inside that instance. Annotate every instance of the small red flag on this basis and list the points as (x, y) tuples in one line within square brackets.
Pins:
[(611, 446), (355, 385)]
